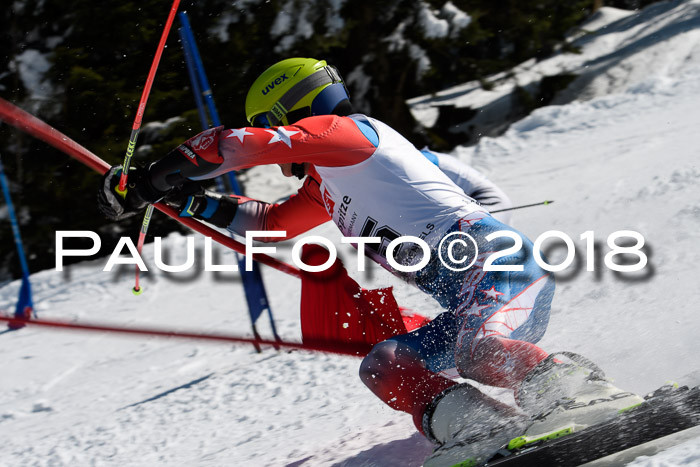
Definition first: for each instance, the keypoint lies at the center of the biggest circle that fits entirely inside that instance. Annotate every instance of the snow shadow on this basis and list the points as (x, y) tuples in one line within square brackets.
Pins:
[(172, 257), (409, 452)]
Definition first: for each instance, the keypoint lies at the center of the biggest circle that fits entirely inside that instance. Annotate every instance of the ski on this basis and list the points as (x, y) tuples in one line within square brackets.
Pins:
[(661, 414)]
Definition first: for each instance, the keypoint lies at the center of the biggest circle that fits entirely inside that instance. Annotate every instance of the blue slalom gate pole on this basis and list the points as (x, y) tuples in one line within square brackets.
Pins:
[(202, 83), (253, 286), (25, 305), (196, 90)]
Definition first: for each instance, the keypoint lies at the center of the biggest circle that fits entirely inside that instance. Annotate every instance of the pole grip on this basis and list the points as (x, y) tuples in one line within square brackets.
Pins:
[(121, 189)]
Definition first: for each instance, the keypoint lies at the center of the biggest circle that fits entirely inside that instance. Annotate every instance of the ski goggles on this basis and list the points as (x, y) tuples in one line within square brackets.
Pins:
[(323, 104), (260, 121)]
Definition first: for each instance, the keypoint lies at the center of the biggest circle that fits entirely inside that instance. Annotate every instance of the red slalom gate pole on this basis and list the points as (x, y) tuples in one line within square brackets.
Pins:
[(359, 349), (18, 118), (228, 241), (144, 97), (28, 123)]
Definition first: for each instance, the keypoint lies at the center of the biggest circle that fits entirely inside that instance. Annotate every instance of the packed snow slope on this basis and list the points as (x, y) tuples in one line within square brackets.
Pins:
[(622, 160), (617, 50)]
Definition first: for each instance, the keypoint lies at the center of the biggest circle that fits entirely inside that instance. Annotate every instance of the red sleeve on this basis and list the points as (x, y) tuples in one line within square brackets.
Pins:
[(300, 213), (324, 140)]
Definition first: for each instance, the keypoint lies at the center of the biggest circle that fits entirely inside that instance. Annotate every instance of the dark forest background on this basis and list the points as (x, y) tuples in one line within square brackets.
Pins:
[(99, 54)]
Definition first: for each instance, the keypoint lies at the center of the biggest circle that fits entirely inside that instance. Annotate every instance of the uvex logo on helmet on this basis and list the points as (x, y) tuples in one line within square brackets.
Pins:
[(276, 82)]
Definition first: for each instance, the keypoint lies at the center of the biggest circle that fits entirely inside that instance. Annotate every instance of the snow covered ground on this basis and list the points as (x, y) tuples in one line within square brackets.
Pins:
[(618, 49), (624, 159)]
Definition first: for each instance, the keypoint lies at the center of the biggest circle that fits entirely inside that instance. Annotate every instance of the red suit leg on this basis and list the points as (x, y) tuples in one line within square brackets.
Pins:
[(397, 375), (499, 361)]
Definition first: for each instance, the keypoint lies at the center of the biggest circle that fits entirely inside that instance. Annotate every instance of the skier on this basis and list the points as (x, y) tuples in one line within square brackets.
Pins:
[(474, 184), (372, 182)]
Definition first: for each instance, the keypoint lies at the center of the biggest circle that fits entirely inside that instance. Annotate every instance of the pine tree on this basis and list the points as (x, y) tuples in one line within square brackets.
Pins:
[(99, 55)]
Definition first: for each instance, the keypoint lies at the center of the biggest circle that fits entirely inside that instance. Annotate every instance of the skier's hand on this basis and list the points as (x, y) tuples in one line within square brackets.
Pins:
[(191, 200), (139, 193), (178, 197)]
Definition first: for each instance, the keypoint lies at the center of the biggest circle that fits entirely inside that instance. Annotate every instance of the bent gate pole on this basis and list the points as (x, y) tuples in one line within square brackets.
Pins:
[(356, 349), (13, 115)]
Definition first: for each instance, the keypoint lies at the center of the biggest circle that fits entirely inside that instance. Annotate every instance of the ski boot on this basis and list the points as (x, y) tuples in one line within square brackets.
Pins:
[(566, 393), (468, 427)]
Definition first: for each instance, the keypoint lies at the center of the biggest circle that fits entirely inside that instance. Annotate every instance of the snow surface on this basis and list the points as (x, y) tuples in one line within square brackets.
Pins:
[(619, 49), (623, 160)]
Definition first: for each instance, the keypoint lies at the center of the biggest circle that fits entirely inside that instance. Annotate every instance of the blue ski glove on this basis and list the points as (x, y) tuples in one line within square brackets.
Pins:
[(191, 200)]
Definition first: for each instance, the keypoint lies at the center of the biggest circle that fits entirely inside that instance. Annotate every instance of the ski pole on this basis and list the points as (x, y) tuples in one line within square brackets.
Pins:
[(543, 203), (139, 246), (121, 189)]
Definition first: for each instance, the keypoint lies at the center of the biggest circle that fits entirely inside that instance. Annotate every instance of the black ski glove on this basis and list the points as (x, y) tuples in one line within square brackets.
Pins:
[(191, 200), (139, 193)]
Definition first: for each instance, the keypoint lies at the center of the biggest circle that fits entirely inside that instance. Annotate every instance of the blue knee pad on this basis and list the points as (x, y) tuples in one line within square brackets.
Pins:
[(437, 340)]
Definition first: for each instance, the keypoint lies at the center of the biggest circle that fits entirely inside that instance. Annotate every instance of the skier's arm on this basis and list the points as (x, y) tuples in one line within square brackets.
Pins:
[(322, 141), (473, 183), (239, 214), (301, 212), (328, 140)]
